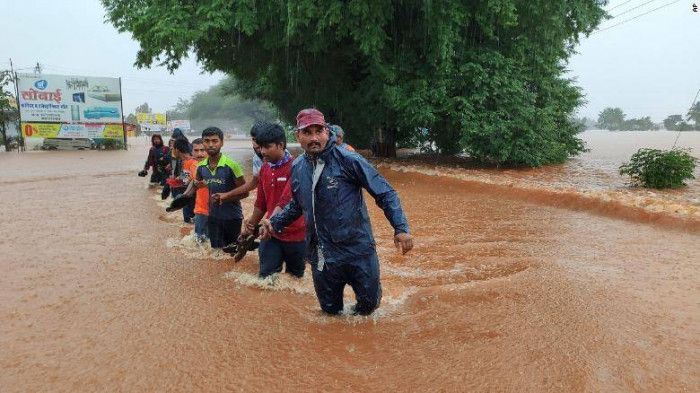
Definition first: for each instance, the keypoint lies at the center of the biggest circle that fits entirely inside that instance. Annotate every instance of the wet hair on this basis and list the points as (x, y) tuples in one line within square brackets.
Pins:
[(154, 136), (198, 141), (267, 133), (213, 131), (183, 146)]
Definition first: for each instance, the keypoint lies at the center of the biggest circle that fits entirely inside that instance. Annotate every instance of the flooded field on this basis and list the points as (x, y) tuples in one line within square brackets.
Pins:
[(540, 280), (590, 181)]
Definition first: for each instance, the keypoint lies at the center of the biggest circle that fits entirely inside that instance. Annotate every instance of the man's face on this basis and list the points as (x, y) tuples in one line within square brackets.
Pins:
[(256, 149), (273, 152), (338, 140), (198, 151), (313, 139), (212, 144)]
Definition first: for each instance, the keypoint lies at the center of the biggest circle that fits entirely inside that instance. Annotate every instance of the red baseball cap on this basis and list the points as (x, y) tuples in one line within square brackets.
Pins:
[(309, 117)]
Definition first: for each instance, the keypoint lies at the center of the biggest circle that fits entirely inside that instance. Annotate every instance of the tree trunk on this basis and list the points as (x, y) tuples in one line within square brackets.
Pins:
[(384, 143), (3, 132)]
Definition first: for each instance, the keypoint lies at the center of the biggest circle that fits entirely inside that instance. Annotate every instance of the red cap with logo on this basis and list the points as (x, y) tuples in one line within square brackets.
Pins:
[(310, 117)]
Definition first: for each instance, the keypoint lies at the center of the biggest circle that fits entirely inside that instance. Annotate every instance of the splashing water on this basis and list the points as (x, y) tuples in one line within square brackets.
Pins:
[(193, 247)]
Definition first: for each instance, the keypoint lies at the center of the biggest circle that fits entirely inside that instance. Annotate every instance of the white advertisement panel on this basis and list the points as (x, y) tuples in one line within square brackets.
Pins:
[(69, 99), (183, 125)]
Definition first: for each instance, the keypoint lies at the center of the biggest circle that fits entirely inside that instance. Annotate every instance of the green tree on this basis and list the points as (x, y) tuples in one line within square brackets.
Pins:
[(694, 115), (179, 111), (673, 122), (485, 77), (143, 108), (641, 124), (611, 119), (223, 101), (8, 112)]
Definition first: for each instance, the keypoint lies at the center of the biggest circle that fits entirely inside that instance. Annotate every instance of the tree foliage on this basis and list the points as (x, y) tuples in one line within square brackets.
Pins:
[(655, 168), (143, 108), (8, 112), (611, 119), (485, 77), (179, 111), (676, 123), (694, 115), (222, 101)]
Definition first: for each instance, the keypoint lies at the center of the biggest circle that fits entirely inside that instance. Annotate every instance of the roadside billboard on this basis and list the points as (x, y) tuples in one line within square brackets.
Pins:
[(151, 118), (151, 122), (183, 125), (69, 106)]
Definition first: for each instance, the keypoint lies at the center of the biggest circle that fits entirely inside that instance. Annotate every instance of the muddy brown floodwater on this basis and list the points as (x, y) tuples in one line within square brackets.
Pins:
[(101, 290)]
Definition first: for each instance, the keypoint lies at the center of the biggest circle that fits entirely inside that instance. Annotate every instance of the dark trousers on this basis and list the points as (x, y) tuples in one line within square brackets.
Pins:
[(188, 211), (223, 232), (201, 228), (274, 252), (158, 176), (362, 275)]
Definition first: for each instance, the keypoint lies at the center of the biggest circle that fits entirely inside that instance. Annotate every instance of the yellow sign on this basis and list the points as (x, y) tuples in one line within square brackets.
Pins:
[(57, 130), (150, 118), (39, 130)]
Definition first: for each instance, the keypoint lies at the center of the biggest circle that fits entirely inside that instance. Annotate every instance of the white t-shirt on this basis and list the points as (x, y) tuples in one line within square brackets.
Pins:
[(257, 164)]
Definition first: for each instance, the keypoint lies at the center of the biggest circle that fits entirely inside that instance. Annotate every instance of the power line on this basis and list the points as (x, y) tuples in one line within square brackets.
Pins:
[(619, 5), (633, 8), (636, 17)]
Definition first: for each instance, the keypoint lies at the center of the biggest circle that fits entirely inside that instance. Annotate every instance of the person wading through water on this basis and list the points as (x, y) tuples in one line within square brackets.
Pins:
[(221, 175), (287, 247), (158, 159), (326, 187)]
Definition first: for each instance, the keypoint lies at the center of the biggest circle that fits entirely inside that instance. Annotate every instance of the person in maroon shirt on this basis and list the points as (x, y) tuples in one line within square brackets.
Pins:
[(287, 247)]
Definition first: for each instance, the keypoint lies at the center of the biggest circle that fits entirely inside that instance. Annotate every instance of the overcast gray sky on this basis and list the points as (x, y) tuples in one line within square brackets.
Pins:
[(647, 66), (70, 37)]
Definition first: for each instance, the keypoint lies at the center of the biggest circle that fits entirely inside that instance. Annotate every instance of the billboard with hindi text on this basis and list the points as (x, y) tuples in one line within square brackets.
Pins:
[(66, 106)]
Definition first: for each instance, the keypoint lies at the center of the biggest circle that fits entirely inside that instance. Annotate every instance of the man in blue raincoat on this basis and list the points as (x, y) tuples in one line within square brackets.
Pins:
[(326, 187)]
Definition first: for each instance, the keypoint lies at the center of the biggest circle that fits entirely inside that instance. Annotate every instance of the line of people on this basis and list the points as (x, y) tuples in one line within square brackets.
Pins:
[(309, 209)]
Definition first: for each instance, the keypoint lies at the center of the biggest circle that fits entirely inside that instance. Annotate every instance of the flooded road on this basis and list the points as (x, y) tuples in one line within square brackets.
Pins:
[(100, 292)]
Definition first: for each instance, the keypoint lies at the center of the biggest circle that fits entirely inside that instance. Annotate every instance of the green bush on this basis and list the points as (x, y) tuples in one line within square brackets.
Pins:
[(654, 168), (108, 144)]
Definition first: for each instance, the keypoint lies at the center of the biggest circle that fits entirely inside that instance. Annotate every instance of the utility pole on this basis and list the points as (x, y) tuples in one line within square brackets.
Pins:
[(19, 118)]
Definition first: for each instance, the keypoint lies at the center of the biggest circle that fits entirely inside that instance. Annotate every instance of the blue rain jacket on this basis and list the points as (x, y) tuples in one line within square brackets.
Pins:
[(336, 215)]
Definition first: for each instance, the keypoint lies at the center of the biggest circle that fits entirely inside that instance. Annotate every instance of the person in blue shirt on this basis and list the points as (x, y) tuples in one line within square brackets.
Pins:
[(326, 187), (221, 175)]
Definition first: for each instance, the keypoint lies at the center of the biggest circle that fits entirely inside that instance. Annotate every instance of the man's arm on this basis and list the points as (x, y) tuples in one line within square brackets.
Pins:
[(259, 210), (227, 196), (252, 221), (245, 188), (191, 189), (150, 160), (239, 184), (385, 197)]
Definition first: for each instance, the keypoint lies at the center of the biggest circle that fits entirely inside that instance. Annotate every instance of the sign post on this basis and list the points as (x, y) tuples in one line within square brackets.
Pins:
[(121, 105)]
